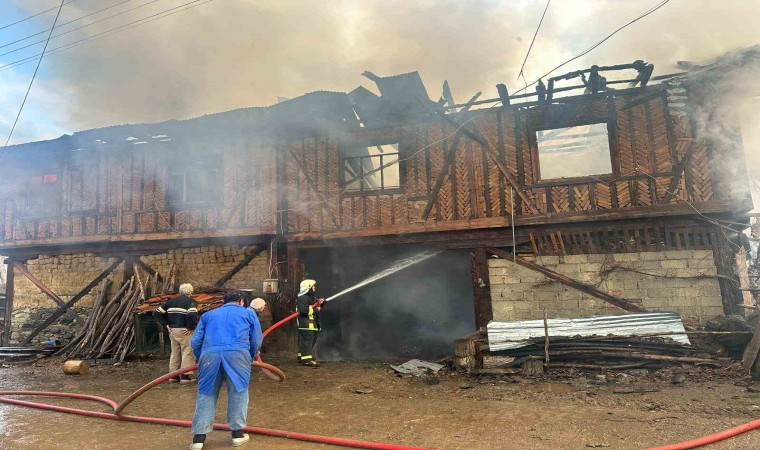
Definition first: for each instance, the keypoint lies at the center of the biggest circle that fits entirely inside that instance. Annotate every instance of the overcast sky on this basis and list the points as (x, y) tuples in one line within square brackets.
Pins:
[(228, 54)]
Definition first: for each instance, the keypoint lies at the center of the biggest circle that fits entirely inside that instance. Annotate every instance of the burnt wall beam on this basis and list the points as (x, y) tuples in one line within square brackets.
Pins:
[(9, 291), (24, 270), (620, 302), (239, 266)]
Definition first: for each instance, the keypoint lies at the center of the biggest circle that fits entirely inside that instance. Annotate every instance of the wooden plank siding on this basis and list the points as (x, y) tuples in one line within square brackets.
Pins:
[(646, 144), (123, 193)]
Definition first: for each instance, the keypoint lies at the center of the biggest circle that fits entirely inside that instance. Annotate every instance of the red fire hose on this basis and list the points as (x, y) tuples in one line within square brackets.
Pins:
[(270, 370), (712, 438)]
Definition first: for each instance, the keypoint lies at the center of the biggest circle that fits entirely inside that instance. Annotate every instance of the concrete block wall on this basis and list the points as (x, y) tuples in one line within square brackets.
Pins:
[(518, 293)]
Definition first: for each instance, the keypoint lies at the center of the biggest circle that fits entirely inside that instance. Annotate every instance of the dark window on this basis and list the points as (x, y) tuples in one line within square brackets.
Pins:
[(43, 195), (371, 168), (195, 185), (574, 151)]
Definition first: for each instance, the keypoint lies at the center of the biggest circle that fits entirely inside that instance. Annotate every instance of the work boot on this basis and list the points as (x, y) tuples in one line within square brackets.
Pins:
[(184, 379), (313, 364), (198, 440), (174, 380), (239, 438)]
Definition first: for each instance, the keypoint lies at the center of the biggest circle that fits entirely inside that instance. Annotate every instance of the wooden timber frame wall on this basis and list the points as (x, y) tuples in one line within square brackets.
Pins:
[(449, 181), (120, 195)]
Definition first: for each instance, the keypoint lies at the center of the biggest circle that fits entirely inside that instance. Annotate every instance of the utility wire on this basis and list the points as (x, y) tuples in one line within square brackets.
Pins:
[(531, 44), (34, 75), (32, 16), (142, 21), (588, 50), (64, 24)]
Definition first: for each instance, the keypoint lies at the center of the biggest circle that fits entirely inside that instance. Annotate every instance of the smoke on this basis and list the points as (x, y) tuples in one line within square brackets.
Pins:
[(416, 312), (237, 53)]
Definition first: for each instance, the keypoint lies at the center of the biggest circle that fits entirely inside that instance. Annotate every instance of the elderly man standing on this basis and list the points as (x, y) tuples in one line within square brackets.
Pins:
[(225, 343), (180, 316)]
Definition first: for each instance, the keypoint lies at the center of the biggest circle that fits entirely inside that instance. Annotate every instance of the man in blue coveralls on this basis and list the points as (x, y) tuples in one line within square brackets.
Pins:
[(225, 342)]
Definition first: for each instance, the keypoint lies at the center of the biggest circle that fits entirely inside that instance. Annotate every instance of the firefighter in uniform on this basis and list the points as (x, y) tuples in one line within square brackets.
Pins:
[(308, 308)]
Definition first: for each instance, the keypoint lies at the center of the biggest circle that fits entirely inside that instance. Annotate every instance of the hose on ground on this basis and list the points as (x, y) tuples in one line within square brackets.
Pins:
[(186, 423), (712, 438)]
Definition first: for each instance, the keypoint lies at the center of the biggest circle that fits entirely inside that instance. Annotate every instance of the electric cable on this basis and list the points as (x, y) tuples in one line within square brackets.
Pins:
[(136, 23), (34, 75), (33, 16), (64, 24), (588, 50), (531, 44)]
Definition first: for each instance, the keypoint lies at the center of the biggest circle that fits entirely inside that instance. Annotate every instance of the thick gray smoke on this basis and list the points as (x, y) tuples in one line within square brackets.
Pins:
[(228, 54)]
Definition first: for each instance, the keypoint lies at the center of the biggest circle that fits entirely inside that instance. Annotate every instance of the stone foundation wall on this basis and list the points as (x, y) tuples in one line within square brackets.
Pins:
[(680, 281), (26, 319), (68, 274)]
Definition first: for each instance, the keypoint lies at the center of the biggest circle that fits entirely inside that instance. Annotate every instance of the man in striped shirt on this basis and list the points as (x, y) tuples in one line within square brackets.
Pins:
[(180, 316)]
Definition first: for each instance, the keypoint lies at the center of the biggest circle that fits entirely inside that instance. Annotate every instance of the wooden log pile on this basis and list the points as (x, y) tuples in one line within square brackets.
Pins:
[(110, 330)]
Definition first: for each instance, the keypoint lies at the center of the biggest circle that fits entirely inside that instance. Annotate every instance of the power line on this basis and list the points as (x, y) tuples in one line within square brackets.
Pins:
[(588, 50), (32, 16), (34, 75), (62, 25), (531, 43), (128, 25)]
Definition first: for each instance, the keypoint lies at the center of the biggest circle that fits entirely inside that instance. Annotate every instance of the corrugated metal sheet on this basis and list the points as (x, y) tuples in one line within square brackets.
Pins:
[(509, 335)]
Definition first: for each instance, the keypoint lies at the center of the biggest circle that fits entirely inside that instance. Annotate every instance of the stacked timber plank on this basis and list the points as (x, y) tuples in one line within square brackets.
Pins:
[(604, 342)]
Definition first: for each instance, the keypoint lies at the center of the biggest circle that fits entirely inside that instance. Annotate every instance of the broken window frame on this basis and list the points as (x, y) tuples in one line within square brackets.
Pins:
[(536, 159), (382, 190)]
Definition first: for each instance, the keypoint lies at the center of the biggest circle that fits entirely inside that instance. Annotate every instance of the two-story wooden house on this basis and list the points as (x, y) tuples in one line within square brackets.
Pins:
[(619, 188)]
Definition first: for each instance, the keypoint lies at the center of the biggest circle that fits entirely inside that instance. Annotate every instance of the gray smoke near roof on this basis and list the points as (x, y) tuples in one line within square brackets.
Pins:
[(227, 55), (233, 54)]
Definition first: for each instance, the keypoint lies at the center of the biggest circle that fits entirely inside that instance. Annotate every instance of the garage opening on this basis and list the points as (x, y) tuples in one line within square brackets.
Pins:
[(417, 312)]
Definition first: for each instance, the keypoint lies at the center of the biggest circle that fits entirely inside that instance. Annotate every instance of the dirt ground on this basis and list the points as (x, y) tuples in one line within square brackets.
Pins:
[(368, 402)]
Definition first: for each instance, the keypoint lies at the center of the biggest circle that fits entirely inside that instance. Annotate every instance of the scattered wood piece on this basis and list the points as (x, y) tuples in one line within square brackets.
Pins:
[(75, 367), (635, 391)]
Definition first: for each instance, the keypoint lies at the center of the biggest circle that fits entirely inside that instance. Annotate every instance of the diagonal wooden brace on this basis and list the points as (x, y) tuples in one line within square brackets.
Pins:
[(620, 302), (62, 310)]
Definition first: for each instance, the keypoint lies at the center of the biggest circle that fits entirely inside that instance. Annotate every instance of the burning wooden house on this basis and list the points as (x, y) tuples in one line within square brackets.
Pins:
[(597, 196)]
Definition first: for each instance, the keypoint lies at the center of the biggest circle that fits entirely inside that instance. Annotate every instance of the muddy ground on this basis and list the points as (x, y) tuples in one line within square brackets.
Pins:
[(368, 402)]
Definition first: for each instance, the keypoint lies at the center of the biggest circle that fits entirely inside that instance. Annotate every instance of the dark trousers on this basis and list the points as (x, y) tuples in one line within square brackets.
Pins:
[(306, 341)]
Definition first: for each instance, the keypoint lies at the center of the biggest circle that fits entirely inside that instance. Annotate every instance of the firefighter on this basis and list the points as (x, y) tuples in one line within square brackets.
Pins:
[(308, 308)]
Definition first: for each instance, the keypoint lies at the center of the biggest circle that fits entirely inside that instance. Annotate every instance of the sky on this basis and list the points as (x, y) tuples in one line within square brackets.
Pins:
[(226, 54)]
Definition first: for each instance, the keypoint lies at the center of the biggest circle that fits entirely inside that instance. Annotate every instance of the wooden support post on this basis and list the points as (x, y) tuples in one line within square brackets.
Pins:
[(481, 286), (240, 266), (678, 171), (501, 88), (620, 302), (724, 255), (750, 356), (21, 267), (129, 269), (9, 291), (62, 310)]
